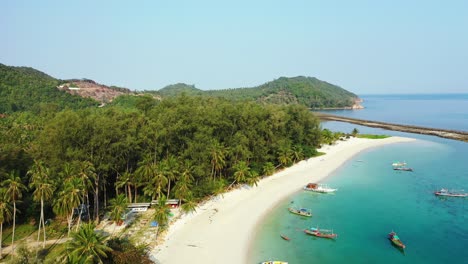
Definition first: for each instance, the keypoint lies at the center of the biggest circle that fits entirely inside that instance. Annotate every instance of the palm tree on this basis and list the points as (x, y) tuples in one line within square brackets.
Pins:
[(43, 191), (242, 172), (218, 158), (5, 213), (268, 169), (252, 178), (69, 199), (285, 157), (161, 212), (14, 191), (171, 172), (87, 175), (117, 207), (87, 246), (355, 132), (189, 204)]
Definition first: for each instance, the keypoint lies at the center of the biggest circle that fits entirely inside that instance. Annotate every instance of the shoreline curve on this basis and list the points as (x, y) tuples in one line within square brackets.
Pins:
[(221, 229)]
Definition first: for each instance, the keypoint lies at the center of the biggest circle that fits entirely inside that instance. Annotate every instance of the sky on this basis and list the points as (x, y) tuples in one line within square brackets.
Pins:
[(367, 47)]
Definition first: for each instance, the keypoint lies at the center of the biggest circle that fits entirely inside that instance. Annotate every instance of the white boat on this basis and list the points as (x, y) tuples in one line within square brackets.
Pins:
[(274, 262), (320, 188), (453, 193), (398, 164)]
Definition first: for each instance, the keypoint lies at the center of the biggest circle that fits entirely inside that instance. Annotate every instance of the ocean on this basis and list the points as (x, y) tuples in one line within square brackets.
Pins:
[(374, 200)]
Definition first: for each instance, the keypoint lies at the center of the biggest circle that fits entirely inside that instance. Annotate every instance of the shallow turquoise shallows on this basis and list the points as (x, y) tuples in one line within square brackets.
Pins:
[(374, 200)]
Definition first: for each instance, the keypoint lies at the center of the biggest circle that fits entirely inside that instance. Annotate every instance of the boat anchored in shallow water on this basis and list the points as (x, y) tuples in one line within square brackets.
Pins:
[(301, 211), (402, 169), (454, 193), (274, 262), (398, 164), (320, 188), (324, 233), (396, 240)]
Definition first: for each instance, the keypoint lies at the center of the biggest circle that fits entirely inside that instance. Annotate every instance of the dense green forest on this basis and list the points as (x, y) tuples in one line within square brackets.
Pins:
[(137, 149), (307, 91), (27, 89)]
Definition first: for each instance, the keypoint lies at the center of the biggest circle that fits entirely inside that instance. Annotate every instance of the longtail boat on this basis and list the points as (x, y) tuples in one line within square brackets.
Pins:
[(285, 237), (445, 192), (402, 169), (396, 240), (324, 233), (301, 211), (320, 188)]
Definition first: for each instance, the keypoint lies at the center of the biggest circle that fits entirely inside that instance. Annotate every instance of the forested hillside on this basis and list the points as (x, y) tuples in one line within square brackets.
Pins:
[(27, 89), (307, 91)]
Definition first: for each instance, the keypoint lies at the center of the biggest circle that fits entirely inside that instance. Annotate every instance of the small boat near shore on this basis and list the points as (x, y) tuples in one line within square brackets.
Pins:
[(396, 240), (274, 262), (285, 237), (402, 169), (301, 211), (446, 192), (398, 164), (320, 188), (323, 233)]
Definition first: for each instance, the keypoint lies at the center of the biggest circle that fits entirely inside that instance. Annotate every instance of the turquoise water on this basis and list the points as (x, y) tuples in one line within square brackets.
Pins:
[(373, 200)]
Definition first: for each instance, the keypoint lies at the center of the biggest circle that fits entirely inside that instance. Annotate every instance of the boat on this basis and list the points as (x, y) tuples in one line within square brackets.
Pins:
[(301, 211), (320, 188), (396, 240), (398, 164), (324, 233), (402, 169), (446, 192), (274, 262), (285, 237)]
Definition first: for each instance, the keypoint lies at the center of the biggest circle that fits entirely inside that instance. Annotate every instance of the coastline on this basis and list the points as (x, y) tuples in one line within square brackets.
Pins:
[(222, 228)]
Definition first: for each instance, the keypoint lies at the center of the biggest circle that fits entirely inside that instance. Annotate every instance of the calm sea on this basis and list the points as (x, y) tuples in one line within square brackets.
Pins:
[(373, 199)]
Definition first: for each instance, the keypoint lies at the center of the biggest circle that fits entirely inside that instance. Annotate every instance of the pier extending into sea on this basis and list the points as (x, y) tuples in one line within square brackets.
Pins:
[(444, 133)]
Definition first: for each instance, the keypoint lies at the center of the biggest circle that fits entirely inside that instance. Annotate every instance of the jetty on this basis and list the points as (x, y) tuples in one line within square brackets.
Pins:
[(444, 133)]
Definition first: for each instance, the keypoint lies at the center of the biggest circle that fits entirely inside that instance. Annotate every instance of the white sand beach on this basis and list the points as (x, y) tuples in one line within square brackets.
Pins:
[(221, 229)]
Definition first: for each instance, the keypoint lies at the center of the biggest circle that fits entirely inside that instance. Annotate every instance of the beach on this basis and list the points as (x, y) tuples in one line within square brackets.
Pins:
[(221, 229)]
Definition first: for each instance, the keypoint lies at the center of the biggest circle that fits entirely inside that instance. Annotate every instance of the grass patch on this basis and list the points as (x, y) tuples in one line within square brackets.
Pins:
[(372, 136), (21, 231)]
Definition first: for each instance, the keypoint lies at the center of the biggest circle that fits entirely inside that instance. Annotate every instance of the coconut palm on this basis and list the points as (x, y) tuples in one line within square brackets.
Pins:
[(69, 199), (268, 169), (117, 207), (241, 172), (189, 204), (43, 191), (87, 246), (218, 154), (14, 191), (5, 213), (171, 170), (161, 212), (355, 132), (87, 175)]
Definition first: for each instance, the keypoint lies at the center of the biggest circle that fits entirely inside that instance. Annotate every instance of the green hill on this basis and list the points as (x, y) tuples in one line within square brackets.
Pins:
[(27, 89), (308, 91)]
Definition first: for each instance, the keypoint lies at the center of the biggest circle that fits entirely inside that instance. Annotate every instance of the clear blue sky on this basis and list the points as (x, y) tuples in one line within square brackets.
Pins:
[(363, 46)]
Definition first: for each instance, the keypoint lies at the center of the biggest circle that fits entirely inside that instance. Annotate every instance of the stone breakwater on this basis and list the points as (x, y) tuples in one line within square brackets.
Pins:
[(444, 133)]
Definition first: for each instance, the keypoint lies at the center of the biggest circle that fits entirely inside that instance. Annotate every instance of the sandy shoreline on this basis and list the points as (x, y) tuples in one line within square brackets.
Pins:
[(221, 229)]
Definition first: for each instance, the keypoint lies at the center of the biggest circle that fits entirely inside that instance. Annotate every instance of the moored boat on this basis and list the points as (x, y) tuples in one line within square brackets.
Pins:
[(285, 237), (396, 240), (402, 169), (301, 211), (446, 192), (324, 233), (320, 188), (398, 164), (274, 262)]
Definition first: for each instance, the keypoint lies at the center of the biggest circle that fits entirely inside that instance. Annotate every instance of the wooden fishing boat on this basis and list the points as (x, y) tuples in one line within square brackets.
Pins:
[(402, 169), (396, 240), (320, 188), (285, 237), (301, 211), (274, 262), (446, 192), (324, 233)]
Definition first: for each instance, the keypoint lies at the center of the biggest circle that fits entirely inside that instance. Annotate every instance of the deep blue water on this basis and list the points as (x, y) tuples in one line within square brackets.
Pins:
[(373, 199), (449, 111)]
